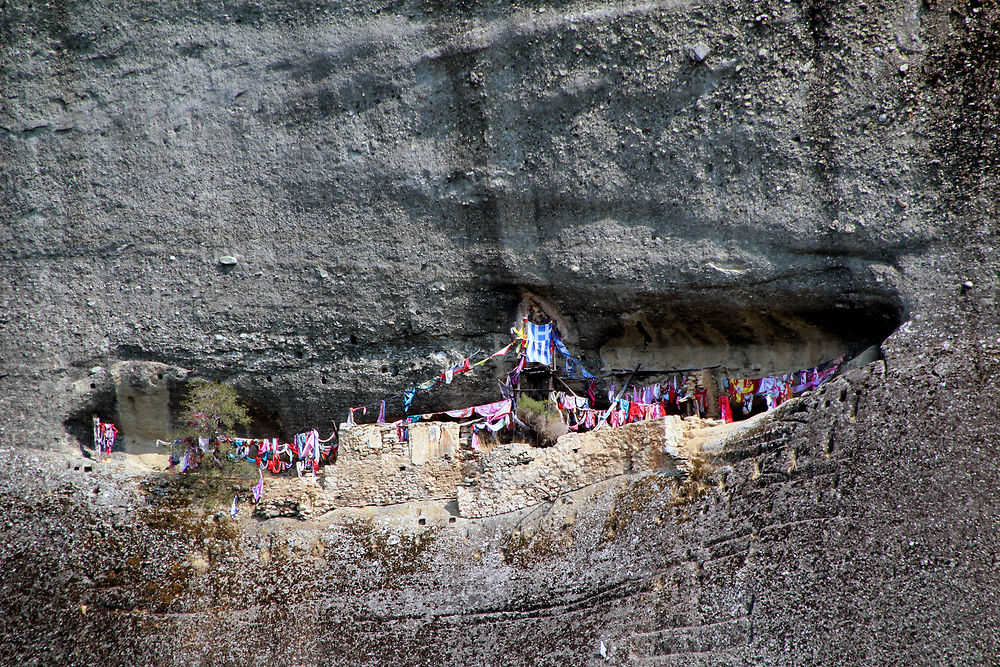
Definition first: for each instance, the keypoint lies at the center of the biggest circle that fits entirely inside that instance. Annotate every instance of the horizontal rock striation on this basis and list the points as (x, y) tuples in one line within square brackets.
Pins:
[(386, 184), (389, 185)]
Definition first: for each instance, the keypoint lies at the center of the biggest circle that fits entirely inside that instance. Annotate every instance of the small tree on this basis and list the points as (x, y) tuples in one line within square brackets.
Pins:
[(211, 409)]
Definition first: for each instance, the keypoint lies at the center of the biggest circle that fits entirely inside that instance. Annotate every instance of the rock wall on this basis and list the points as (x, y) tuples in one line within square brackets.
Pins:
[(512, 477), (391, 179), (374, 468), (818, 537)]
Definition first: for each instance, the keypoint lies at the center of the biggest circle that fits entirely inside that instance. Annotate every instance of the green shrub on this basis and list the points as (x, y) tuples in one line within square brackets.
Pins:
[(211, 409), (543, 418), (212, 484)]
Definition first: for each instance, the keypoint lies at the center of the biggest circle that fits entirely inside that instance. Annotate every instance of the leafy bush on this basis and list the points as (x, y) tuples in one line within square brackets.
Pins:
[(212, 484), (211, 409)]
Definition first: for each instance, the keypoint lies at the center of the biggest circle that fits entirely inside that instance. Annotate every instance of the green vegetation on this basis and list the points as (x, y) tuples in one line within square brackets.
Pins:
[(211, 409), (543, 419), (211, 485)]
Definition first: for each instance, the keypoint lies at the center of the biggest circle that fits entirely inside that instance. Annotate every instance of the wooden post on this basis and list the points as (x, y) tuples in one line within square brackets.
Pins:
[(615, 399), (552, 359)]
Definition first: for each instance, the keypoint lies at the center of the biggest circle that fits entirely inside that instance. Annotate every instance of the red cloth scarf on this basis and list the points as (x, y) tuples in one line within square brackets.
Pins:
[(724, 410)]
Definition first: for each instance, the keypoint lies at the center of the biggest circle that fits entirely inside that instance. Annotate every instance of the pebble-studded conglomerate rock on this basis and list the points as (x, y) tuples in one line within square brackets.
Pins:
[(677, 181)]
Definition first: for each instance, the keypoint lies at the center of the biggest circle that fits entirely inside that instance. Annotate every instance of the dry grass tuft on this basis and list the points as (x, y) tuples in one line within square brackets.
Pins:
[(636, 496), (522, 550), (543, 419), (793, 460), (697, 483)]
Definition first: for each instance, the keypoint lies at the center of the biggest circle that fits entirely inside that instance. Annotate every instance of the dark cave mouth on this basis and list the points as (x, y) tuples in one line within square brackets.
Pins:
[(748, 341), (142, 420)]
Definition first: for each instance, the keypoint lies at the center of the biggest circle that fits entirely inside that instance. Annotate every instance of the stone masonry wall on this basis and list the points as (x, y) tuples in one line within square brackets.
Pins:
[(510, 477), (373, 466)]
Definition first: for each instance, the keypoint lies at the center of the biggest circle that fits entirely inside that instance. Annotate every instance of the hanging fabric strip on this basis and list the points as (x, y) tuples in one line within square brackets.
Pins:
[(494, 409), (299, 441), (499, 423), (312, 440), (444, 377), (560, 346), (520, 334), (258, 489), (506, 391), (408, 396), (516, 373), (350, 417), (500, 353)]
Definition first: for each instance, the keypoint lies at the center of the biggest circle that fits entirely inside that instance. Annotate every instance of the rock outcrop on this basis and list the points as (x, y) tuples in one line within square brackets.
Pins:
[(386, 184), (391, 182)]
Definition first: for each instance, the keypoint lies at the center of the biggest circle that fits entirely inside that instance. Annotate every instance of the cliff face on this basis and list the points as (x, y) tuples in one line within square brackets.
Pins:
[(392, 180), (851, 526)]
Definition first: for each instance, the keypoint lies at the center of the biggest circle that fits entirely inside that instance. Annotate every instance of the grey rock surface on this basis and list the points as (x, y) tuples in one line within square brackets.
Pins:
[(699, 51), (393, 181)]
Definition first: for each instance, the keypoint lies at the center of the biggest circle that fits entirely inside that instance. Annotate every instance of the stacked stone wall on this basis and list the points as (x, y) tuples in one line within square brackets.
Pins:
[(514, 476)]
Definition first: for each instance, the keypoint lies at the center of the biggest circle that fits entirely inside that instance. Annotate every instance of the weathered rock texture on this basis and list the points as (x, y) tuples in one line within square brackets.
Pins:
[(515, 476), (391, 180)]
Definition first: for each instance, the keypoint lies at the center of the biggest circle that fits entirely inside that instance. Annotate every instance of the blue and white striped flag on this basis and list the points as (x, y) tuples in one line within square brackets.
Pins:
[(539, 348)]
